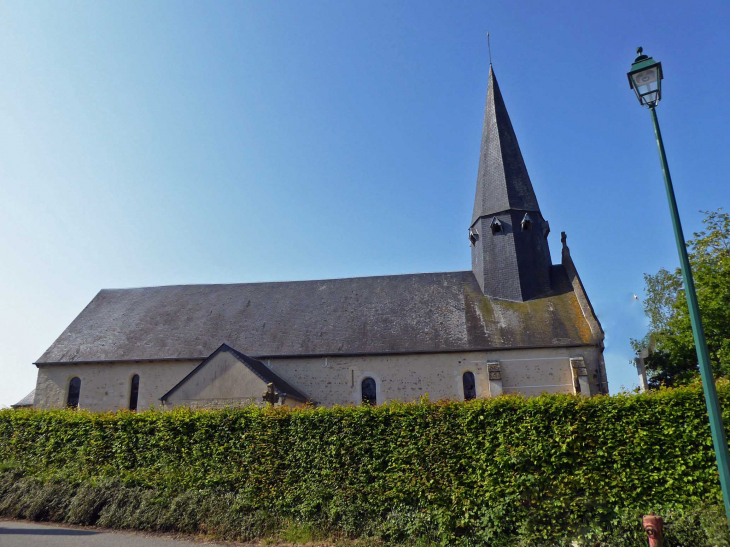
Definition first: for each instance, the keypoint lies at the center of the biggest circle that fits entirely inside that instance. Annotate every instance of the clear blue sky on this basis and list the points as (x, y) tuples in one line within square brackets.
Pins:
[(154, 143)]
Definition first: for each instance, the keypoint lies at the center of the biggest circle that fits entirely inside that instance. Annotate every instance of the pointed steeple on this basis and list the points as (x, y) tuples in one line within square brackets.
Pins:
[(502, 182), (510, 256)]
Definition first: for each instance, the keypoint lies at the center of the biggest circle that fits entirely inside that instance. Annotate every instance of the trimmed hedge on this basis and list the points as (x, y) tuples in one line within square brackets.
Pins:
[(543, 470)]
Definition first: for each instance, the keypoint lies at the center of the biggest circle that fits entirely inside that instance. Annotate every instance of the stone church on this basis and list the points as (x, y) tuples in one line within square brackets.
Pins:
[(513, 323)]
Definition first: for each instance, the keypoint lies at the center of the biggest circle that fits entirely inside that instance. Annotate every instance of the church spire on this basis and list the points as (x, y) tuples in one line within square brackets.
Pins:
[(510, 257), (502, 182)]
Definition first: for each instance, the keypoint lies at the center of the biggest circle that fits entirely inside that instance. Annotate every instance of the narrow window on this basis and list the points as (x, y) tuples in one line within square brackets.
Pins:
[(470, 387), (74, 392), (369, 394), (134, 393), (496, 226)]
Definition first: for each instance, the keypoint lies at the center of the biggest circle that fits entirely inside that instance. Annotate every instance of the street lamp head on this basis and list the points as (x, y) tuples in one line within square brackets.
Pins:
[(645, 78)]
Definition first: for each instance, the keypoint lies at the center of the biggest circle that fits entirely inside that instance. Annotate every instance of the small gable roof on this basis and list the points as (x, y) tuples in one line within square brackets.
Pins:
[(25, 401), (282, 387)]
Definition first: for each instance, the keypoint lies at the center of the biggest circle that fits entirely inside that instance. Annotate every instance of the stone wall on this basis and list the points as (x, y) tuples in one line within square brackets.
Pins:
[(330, 380), (337, 380), (107, 386)]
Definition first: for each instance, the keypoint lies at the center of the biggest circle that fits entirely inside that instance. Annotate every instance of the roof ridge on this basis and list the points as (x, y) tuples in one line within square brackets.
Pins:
[(109, 289)]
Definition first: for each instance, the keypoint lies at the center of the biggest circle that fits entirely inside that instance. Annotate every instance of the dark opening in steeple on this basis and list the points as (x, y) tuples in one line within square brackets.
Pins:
[(526, 222)]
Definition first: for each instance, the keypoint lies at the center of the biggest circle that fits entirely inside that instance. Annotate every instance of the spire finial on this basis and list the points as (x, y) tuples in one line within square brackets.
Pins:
[(489, 47), (639, 50)]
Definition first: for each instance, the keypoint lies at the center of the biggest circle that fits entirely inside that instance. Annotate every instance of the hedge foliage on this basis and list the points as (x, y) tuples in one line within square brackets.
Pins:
[(540, 471)]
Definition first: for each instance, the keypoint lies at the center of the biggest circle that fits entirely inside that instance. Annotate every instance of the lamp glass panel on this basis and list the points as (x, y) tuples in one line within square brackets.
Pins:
[(646, 77)]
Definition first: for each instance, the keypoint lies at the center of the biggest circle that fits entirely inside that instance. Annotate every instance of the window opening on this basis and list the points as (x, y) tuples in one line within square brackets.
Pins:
[(470, 386), (473, 236), (496, 225), (74, 392), (134, 393), (369, 392), (526, 223)]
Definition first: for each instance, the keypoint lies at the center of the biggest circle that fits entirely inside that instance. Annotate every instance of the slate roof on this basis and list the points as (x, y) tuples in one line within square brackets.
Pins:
[(25, 401), (430, 312), (502, 180), (282, 387)]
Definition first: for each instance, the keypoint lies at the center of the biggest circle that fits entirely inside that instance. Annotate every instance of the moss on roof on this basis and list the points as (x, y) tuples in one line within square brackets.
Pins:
[(554, 319)]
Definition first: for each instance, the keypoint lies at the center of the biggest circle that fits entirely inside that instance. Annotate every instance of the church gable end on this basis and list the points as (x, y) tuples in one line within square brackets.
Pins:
[(228, 378)]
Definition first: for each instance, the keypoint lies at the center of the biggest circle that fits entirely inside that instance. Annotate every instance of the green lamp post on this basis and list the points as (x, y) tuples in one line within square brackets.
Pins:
[(645, 78)]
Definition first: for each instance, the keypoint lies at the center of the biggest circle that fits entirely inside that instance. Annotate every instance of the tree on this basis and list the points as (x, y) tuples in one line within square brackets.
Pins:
[(672, 359)]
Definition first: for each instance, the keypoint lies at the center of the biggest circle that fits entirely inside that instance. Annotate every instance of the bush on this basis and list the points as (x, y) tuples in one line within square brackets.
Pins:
[(503, 471)]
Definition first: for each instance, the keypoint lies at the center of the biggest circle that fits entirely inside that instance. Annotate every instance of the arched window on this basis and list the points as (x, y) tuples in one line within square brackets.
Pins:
[(369, 393), (134, 393), (470, 386), (74, 392)]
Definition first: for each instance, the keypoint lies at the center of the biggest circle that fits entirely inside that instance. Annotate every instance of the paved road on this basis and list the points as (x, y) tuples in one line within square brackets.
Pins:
[(26, 534)]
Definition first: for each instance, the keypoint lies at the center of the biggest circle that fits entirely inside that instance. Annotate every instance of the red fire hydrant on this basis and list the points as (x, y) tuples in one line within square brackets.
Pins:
[(654, 527)]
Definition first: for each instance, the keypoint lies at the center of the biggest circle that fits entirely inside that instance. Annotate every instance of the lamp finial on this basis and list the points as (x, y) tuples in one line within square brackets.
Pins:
[(641, 56)]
